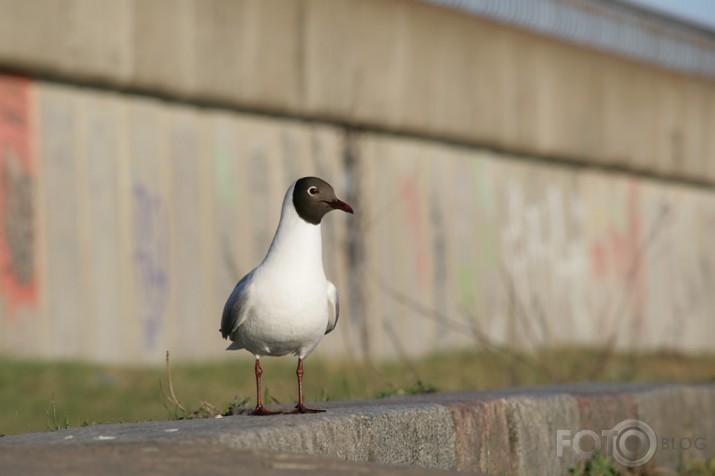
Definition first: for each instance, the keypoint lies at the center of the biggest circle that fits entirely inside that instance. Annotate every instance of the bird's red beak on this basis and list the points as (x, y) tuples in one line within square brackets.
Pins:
[(340, 205)]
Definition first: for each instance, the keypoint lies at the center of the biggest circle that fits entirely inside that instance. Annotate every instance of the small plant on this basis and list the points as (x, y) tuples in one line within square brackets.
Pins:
[(53, 422), (205, 410), (417, 389), (267, 397), (602, 466), (700, 468), (390, 391), (597, 466), (237, 407), (91, 423), (323, 396)]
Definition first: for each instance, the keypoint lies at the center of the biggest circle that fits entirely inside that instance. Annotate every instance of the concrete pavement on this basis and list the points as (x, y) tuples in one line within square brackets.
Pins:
[(509, 432)]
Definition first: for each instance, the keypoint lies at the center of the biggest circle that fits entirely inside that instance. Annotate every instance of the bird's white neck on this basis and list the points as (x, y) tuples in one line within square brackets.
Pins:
[(297, 245)]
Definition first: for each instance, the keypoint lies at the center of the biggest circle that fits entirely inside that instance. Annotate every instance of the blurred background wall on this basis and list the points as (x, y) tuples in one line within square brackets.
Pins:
[(524, 173)]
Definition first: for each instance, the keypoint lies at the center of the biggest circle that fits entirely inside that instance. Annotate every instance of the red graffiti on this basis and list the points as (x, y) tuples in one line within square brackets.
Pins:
[(599, 260), (619, 252), (411, 199), (17, 206)]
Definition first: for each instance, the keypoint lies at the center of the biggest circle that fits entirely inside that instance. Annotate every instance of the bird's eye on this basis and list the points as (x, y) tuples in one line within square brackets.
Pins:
[(313, 190)]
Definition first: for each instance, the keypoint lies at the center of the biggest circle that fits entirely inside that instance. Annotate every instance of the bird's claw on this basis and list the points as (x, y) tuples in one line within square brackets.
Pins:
[(260, 410), (303, 409)]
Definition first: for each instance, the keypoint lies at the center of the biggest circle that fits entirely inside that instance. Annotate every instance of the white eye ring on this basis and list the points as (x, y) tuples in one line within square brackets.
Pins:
[(313, 190)]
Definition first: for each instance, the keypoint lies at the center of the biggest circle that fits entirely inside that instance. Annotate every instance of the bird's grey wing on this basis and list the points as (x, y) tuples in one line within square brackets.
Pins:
[(236, 309), (333, 307)]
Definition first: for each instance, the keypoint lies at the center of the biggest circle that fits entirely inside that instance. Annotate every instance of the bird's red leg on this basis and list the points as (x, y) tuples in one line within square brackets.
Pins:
[(300, 408), (260, 410)]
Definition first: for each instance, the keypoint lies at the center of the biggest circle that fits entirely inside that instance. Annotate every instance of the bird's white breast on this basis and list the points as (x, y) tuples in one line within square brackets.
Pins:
[(285, 318), (288, 293)]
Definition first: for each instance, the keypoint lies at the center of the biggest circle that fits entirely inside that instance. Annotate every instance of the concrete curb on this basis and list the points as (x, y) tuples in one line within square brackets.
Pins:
[(510, 432), (183, 460)]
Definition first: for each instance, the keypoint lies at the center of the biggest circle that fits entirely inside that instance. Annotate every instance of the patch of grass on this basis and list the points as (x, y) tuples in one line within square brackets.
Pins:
[(597, 466), (88, 393), (700, 468), (417, 388), (601, 465), (54, 423)]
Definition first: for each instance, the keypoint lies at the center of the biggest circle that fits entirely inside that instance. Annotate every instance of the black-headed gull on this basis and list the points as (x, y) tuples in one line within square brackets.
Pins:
[(285, 305)]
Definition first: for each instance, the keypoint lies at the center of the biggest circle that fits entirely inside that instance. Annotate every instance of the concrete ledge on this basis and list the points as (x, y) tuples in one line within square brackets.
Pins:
[(179, 460), (510, 432)]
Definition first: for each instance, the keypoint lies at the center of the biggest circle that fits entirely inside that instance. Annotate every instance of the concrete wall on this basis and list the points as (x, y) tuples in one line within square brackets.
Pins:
[(398, 65), (144, 161), (520, 253), (128, 220)]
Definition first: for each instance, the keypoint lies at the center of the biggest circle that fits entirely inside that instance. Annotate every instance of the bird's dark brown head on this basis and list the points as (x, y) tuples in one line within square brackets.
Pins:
[(314, 197)]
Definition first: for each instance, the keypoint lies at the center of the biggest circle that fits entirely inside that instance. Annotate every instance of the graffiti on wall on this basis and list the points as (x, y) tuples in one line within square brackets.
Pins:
[(17, 197), (151, 259), (618, 255), (410, 197), (558, 268)]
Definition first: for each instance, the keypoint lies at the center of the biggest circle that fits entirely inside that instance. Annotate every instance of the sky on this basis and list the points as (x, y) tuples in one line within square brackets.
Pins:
[(701, 12)]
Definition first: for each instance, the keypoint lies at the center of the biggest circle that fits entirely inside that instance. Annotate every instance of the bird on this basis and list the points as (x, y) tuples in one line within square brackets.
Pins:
[(285, 305)]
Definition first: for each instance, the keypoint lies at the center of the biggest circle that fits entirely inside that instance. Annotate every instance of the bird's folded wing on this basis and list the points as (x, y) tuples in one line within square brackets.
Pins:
[(333, 307), (236, 309)]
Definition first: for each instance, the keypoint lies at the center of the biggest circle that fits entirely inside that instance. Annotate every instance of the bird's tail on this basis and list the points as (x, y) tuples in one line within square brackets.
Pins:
[(234, 346)]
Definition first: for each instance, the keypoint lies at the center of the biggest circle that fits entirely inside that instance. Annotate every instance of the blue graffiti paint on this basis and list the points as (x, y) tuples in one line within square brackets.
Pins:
[(151, 258)]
